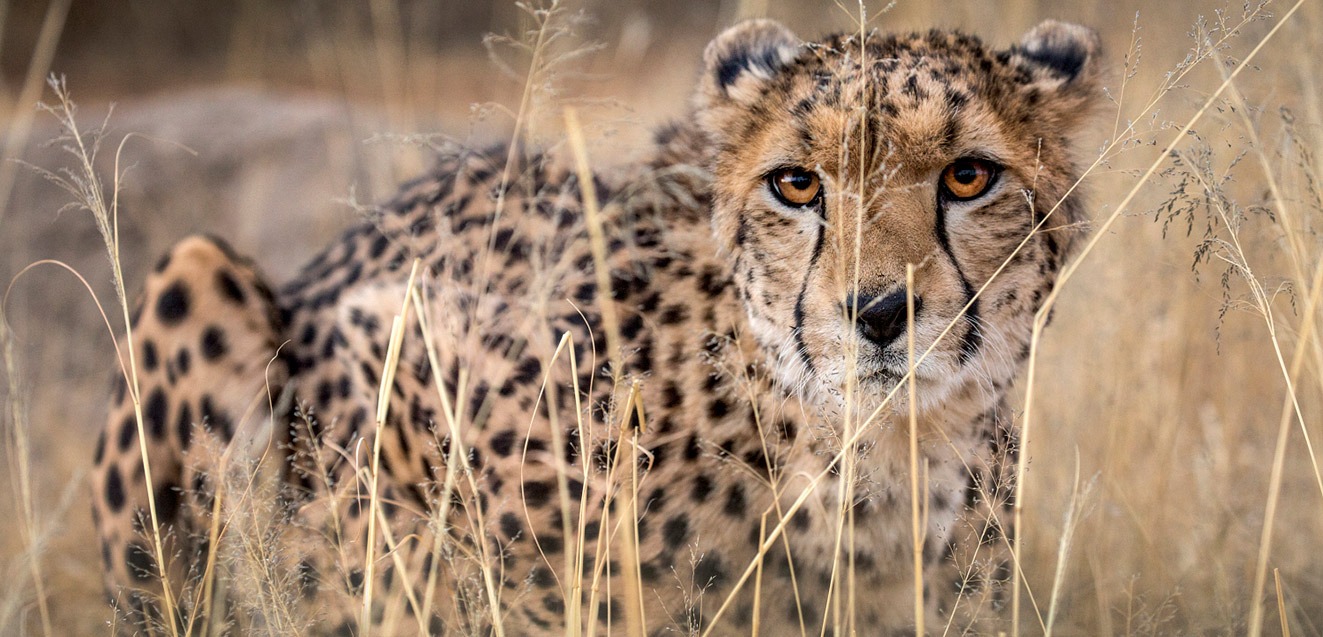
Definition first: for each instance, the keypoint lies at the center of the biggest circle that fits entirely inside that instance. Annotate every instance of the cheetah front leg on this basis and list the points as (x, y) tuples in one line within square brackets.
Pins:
[(205, 342)]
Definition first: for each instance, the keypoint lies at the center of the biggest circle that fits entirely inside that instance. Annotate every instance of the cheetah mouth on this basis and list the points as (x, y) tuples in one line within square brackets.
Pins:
[(883, 370), (886, 376)]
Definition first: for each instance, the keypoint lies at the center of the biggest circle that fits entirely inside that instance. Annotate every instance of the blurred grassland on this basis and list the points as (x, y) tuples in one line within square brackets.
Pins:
[(1159, 392)]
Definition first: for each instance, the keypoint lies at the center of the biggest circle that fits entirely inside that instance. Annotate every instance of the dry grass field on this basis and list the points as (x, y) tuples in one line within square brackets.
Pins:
[(1176, 400)]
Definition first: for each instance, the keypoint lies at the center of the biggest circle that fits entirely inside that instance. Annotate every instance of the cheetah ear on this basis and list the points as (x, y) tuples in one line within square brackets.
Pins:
[(739, 61), (1060, 55)]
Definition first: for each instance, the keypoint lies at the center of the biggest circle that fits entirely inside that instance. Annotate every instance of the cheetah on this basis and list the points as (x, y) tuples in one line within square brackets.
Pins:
[(493, 408)]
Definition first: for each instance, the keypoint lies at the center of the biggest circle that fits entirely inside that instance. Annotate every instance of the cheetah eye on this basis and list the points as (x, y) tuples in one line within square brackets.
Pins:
[(795, 187), (968, 178)]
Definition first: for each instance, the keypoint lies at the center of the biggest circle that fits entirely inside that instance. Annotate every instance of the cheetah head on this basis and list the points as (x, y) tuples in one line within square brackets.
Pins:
[(837, 163)]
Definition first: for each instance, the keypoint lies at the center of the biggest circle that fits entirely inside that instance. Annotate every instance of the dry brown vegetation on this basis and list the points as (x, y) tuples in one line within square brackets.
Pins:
[(1174, 405)]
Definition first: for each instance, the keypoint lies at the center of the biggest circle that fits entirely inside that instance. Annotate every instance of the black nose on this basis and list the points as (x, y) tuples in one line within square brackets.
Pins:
[(882, 319)]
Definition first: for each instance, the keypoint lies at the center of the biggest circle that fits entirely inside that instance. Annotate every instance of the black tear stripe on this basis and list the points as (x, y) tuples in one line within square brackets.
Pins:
[(803, 290), (973, 338)]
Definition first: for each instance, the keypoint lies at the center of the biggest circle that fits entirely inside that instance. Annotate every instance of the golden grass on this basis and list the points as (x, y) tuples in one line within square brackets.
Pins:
[(1155, 504), (16, 439)]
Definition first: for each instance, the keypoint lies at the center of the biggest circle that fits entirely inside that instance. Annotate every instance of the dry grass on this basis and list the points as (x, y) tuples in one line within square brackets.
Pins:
[(1169, 415)]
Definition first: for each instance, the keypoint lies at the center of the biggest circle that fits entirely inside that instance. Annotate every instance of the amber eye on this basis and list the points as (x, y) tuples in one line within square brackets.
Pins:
[(795, 187), (968, 178)]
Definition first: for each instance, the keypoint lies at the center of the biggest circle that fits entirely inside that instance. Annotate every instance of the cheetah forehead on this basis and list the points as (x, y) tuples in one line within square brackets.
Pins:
[(921, 93)]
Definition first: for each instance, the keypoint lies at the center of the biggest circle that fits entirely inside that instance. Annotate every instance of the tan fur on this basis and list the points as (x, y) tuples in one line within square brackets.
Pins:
[(737, 327)]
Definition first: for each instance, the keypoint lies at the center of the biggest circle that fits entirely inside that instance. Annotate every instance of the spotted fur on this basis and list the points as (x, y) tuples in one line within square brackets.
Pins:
[(761, 339)]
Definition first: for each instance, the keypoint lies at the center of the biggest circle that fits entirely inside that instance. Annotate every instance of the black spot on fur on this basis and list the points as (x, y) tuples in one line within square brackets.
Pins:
[(127, 429), (229, 287), (503, 442), (141, 565), (355, 271), (369, 374), (718, 408), (735, 504), (529, 369), (692, 449), (325, 392), (608, 610), (114, 490), (121, 388), (184, 361), (756, 459), (712, 282), (585, 292), (511, 527), (536, 494), (184, 426), (801, 520), (631, 326), (550, 544), (154, 413), (149, 359), (709, 571), (213, 343), (216, 418), (659, 455), (167, 502), (100, 448), (554, 604), (378, 246), (173, 304), (702, 488), (541, 576), (673, 314), (676, 531), (671, 396)]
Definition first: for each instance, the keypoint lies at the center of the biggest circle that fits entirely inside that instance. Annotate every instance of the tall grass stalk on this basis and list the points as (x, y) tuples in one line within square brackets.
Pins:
[(389, 367), (1074, 514), (1290, 406), (545, 33), (610, 324), (916, 506), (453, 410), (573, 567), (1281, 603)]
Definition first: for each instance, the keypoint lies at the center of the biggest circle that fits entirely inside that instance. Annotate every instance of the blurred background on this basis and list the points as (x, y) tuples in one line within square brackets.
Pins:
[(1161, 388)]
